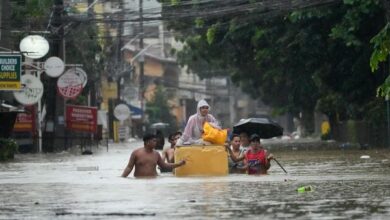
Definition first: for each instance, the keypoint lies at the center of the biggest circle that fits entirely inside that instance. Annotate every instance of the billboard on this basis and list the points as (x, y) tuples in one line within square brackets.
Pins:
[(10, 69), (81, 118)]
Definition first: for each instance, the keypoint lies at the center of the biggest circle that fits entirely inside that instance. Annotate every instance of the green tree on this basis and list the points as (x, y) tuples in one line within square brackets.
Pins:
[(158, 110), (295, 61)]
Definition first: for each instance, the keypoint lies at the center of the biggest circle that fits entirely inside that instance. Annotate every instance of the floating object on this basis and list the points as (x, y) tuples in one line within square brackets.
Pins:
[(305, 189), (209, 160), (365, 157)]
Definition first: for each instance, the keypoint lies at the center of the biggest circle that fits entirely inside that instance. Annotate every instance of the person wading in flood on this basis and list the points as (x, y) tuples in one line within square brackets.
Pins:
[(236, 155), (168, 155), (257, 159), (146, 159)]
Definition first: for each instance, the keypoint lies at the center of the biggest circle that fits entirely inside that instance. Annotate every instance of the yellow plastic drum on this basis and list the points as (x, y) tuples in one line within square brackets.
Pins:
[(210, 160)]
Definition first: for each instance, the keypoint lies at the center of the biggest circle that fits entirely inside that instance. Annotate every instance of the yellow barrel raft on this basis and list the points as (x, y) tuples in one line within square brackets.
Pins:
[(209, 160)]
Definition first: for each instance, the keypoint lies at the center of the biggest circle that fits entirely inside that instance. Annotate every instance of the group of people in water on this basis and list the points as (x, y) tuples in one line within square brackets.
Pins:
[(246, 154)]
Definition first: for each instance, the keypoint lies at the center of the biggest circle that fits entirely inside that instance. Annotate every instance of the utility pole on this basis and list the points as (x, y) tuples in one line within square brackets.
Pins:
[(141, 63), (51, 100), (388, 119), (119, 54), (92, 90)]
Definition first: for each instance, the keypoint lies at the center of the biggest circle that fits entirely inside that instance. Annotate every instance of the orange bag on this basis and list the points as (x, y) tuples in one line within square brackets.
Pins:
[(213, 135)]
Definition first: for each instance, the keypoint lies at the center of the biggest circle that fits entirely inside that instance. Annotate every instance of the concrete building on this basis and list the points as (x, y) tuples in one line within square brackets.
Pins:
[(185, 89)]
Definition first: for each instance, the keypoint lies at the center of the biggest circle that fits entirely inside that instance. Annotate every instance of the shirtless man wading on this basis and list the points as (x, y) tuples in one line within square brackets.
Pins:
[(146, 159)]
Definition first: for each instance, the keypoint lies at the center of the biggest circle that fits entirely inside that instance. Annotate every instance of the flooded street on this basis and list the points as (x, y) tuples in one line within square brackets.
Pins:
[(68, 186)]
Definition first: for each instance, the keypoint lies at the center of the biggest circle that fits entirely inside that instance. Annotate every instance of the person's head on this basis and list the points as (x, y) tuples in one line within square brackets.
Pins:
[(255, 142), (150, 140), (244, 139), (174, 137), (235, 141), (203, 108)]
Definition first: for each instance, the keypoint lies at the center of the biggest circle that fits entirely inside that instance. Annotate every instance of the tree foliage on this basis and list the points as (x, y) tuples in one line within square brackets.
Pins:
[(158, 110), (296, 61)]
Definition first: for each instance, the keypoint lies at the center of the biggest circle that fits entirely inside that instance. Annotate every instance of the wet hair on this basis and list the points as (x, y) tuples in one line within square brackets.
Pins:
[(244, 133), (171, 136), (255, 137), (148, 137), (178, 133), (235, 135)]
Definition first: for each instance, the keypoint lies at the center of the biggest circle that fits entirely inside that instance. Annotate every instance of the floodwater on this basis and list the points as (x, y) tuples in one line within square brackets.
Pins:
[(73, 186)]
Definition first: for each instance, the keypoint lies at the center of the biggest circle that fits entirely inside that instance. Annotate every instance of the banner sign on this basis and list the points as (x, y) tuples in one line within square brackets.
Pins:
[(81, 118), (25, 122), (10, 69)]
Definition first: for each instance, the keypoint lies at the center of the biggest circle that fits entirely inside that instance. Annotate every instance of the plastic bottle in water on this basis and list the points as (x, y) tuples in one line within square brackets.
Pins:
[(305, 189)]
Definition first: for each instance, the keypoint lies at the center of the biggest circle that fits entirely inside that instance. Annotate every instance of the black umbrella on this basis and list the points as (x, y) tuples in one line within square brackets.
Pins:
[(264, 127)]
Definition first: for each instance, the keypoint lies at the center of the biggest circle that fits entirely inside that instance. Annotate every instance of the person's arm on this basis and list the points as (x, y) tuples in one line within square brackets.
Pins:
[(245, 167), (234, 158), (213, 122), (129, 166), (161, 163), (268, 160), (187, 133), (164, 154)]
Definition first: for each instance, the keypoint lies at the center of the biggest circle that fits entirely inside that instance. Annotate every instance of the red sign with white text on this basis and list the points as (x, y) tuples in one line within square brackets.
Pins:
[(81, 118), (25, 121)]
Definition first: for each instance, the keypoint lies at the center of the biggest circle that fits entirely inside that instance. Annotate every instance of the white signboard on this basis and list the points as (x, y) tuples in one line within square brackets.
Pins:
[(69, 85), (54, 67), (80, 73), (122, 112), (31, 92), (34, 46)]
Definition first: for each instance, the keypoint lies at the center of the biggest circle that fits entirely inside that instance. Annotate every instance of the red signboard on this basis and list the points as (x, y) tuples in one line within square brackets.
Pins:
[(25, 122), (81, 118)]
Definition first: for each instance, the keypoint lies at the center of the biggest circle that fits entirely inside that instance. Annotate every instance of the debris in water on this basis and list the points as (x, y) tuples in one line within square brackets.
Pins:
[(365, 157), (305, 189)]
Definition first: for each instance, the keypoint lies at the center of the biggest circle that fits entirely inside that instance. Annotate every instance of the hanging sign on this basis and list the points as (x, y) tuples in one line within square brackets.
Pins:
[(34, 46), (81, 74), (54, 67), (69, 85), (10, 69), (122, 112), (31, 92)]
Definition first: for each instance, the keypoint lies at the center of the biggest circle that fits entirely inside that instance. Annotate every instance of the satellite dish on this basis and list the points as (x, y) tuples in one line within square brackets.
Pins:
[(34, 46), (54, 67)]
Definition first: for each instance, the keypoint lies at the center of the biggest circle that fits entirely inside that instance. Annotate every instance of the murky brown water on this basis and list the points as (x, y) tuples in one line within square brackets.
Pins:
[(65, 186)]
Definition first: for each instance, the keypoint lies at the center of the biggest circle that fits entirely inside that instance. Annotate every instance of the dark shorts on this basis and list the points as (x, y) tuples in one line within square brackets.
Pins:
[(164, 170)]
